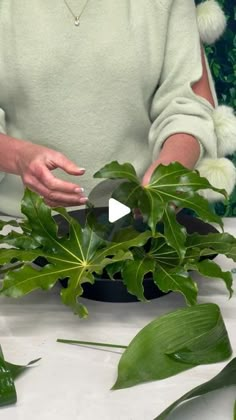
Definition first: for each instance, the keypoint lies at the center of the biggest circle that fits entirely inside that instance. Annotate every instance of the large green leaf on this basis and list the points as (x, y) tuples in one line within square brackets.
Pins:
[(171, 184), (76, 256), (227, 377), (159, 349)]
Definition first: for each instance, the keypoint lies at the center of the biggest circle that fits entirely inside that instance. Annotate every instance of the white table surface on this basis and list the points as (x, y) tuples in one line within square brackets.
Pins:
[(73, 382)]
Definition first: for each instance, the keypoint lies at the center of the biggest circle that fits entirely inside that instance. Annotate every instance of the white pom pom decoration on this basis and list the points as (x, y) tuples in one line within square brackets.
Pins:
[(221, 173), (211, 21), (225, 128)]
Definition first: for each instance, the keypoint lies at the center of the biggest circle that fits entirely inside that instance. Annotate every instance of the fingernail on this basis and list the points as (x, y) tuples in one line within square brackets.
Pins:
[(82, 169), (83, 200), (79, 190)]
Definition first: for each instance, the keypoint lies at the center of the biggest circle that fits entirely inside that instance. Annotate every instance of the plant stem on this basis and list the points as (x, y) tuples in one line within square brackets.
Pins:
[(91, 343)]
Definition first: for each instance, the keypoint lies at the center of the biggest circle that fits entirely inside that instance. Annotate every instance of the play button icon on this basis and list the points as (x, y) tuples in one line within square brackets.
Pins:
[(117, 210)]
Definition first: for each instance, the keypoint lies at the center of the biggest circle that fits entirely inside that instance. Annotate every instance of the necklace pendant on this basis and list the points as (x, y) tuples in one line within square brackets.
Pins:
[(77, 21)]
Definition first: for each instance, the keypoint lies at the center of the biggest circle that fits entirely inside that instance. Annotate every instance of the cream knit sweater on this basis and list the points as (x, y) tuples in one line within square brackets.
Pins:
[(113, 88)]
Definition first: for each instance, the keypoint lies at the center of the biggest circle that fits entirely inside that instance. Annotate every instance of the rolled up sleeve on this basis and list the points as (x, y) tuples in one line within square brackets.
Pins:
[(175, 107)]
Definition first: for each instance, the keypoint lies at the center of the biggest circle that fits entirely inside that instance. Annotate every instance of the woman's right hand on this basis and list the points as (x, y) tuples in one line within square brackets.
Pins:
[(35, 163)]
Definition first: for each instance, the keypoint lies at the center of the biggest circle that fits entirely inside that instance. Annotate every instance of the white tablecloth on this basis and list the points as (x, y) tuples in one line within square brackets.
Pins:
[(73, 382)]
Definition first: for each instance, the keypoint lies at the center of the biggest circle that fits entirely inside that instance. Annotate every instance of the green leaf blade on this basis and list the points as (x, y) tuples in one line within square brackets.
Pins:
[(19, 240), (220, 243), (115, 170), (175, 234), (39, 215), (7, 386), (176, 280), (227, 377), (133, 275), (210, 269), (146, 358)]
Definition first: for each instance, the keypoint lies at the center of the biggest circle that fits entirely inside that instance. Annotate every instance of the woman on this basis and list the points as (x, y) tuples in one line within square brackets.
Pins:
[(128, 83)]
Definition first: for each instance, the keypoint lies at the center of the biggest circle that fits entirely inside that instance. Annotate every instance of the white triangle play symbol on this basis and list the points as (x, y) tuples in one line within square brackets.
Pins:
[(117, 210)]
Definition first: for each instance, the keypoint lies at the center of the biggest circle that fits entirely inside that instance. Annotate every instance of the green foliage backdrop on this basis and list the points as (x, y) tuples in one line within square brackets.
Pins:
[(222, 60)]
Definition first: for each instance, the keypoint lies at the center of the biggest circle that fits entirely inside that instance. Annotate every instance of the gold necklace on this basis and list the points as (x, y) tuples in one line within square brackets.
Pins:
[(76, 17)]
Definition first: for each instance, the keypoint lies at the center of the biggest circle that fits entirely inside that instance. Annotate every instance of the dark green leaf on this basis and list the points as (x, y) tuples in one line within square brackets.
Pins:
[(133, 274), (9, 372), (115, 170), (147, 356), (76, 256), (19, 240), (227, 377), (169, 184), (178, 280), (216, 243), (209, 268), (41, 223), (7, 387), (175, 234), (7, 255)]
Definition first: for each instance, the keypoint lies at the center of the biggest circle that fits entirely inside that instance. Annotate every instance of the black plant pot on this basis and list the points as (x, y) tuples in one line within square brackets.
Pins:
[(107, 290)]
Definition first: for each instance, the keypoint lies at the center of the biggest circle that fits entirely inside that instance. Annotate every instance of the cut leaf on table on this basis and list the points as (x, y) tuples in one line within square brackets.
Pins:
[(227, 377), (173, 343), (8, 373)]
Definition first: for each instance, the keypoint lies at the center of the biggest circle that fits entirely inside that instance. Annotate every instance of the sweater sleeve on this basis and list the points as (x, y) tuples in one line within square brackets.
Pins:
[(175, 107)]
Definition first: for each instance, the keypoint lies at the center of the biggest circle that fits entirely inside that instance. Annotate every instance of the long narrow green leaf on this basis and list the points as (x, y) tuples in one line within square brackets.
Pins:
[(91, 343), (227, 377), (147, 356)]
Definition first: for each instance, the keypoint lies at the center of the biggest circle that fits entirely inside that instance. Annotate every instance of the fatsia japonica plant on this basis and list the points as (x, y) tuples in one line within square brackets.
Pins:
[(162, 247)]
